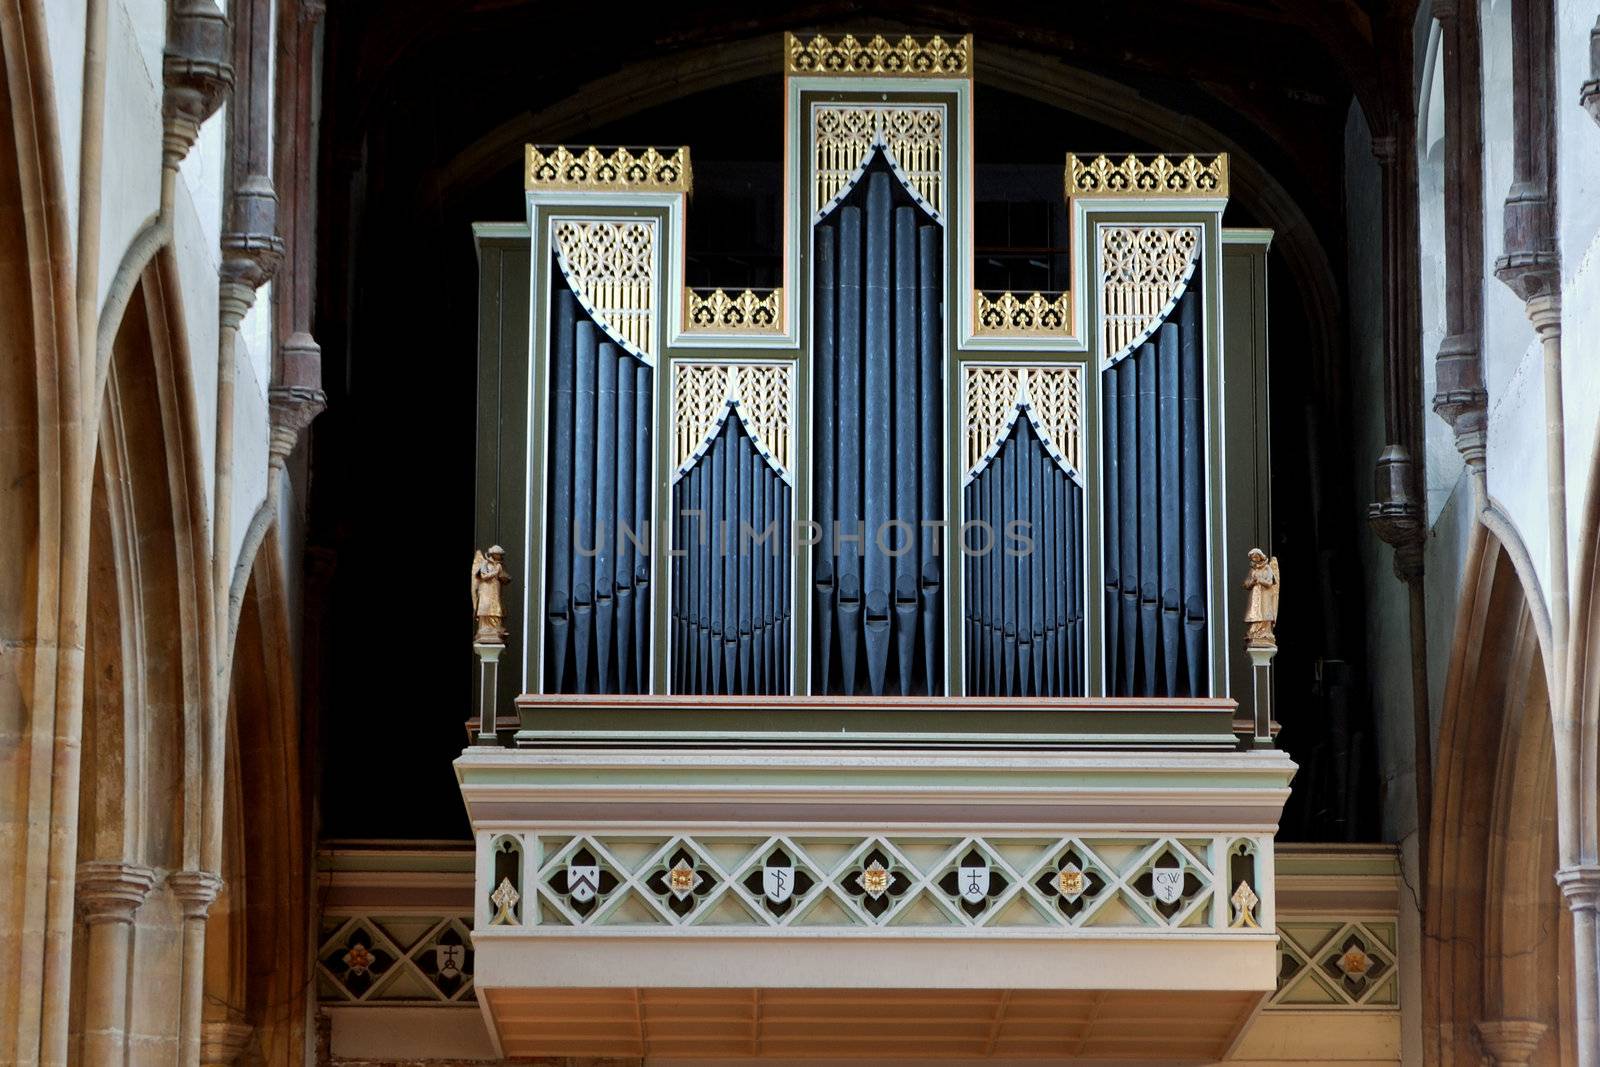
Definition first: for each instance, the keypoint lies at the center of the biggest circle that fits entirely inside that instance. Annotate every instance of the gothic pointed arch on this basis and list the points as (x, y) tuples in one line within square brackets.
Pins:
[(256, 937), (1496, 932)]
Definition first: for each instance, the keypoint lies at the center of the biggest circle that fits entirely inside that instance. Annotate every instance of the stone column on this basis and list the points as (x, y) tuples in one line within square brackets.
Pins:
[(109, 893), (196, 891), (1580, 885), (222, 1042), (1510, 1042)]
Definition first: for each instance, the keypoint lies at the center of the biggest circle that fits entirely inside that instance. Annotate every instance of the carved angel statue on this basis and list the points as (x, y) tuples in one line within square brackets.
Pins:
[(1262, 612), (488, 575)]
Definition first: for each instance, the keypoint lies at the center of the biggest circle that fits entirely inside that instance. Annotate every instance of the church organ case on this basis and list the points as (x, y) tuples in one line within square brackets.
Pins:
[(873, 480)]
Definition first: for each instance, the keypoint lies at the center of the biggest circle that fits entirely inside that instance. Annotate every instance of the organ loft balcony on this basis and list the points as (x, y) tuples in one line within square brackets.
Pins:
[(871, 651)]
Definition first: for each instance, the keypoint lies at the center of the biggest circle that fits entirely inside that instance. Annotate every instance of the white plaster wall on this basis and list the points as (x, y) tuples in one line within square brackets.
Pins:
[(250, 437), (255, 334), (1388, 659), (65, 29), (1578, 207), (131, 155), (194, 247)]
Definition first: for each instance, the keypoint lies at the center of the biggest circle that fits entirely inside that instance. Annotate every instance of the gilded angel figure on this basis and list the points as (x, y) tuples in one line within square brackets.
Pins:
[(1261, 614), (488, 575)]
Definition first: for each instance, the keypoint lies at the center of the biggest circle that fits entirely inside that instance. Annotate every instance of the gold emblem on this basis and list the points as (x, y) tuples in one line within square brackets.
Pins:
[(681, 878), (1355, 963), (874, 879), (1070, 882), (505, 898), (1244, 901)]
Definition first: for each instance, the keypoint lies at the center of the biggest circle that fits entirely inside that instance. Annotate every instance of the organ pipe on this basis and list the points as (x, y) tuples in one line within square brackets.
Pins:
[(1024, 585), (730, 577), (597, 602), (1155, 513), (878, 589)]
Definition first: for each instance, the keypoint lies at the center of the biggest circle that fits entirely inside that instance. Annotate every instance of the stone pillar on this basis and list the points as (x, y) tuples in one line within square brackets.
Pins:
[(222, 1042), (196, 891), (109, 893), (1510, 1042), (1580, 885), (195, 72)]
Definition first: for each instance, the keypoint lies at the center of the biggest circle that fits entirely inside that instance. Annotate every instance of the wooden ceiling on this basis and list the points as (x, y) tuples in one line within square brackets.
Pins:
[(881, 1025)]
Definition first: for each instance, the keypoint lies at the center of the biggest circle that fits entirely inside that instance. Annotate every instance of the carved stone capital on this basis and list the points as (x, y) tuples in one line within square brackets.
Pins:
[(1383, 149), (111, 891), (1544, 311), (293, 408), (196, 891), (1580, 885), (1510, 1042), (251, 247), (1460, 398), (1395, 514), (312, 11), (195, 72), (234, 300), (222, 1042)]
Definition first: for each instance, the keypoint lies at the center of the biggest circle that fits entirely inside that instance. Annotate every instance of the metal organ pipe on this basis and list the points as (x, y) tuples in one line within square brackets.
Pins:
[(730, 616), (1025, 594), (596, 636), (878, 413), (1155, 512)]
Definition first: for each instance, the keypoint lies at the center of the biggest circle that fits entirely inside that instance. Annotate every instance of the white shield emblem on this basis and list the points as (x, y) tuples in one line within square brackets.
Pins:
[(448, 959), (583, 881), (973, 883), (777, 883), (1167, 883)]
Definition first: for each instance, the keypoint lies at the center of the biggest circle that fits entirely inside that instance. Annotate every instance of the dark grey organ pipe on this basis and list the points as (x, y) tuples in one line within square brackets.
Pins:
[(1019, 596), (605, 507), (558, 600), (733, 578), (1155, 513), (824, 371), (877, 458), (597, 597), (627, 527), (1194, 503), (930, 472), (877, 444), (848, 449), (1171, 518), (581, 520)]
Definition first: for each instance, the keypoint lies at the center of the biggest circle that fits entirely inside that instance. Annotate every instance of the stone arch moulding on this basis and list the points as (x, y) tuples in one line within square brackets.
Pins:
[(267, 891), (1492, 907)]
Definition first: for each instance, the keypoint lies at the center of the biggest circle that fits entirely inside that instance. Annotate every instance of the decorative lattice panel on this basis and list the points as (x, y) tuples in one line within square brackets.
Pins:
[(741, 311), (1337, 964), (704, 392), (1052, 397), (1143, 272), (1023, 314), (845, 137), (1176, 884), (395, 959), (610, 267)]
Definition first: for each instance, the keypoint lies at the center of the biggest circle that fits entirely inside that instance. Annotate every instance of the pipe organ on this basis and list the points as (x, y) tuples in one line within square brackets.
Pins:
[(874, 480), (873, 615)]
